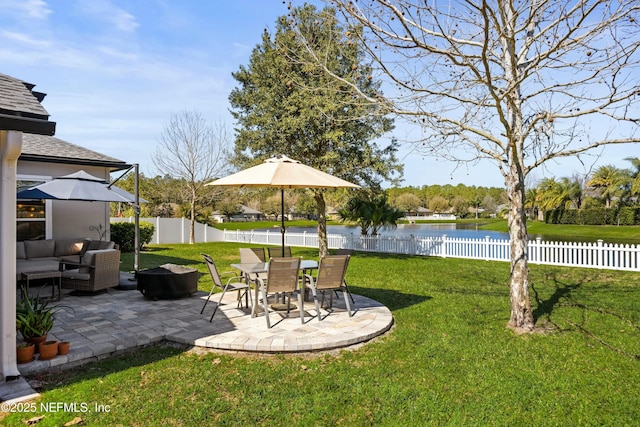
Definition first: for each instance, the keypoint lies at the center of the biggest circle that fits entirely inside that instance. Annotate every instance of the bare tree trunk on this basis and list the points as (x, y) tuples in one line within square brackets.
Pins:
[(323, 246), (521, 314), (192, 226)]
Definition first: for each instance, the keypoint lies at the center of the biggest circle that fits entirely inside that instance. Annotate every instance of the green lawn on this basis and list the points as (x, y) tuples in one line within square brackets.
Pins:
[(449, 360)]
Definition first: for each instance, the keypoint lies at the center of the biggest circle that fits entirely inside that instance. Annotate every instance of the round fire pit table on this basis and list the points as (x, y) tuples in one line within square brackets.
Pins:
[(168, 281)]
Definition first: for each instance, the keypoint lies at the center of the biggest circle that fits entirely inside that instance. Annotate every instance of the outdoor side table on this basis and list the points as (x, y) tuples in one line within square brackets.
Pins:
[(56, 277)]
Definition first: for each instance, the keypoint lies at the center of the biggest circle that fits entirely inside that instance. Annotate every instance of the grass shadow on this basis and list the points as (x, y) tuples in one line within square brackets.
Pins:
[(545, 307), (135, 357)]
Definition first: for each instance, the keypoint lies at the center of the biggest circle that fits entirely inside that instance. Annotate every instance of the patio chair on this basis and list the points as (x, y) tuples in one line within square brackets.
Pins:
[(349, 252), (250, 256), (331, 272), (276, 252), (99, 270), (282, 278), (233, 284)]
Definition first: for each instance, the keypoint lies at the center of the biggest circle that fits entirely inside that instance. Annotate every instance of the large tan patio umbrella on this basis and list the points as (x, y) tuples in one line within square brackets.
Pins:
[(282, 172)]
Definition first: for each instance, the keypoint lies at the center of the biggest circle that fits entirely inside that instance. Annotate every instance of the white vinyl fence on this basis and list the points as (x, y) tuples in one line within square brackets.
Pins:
[(176, 230), (572, 254)]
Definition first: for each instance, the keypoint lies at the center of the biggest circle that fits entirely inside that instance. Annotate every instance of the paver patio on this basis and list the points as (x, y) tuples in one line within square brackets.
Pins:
[(106, 324)]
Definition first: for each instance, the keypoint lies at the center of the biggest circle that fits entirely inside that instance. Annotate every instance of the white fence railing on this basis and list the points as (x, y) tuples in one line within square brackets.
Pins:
[(573, 254)]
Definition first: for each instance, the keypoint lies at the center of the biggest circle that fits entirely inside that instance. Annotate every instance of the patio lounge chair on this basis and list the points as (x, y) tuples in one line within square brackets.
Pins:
[(276, 252), (331, 274), (99, 270), (233, 284), (282, 278)]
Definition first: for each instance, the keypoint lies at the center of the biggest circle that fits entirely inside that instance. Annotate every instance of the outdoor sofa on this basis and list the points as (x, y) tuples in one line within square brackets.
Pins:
[(33, 256)]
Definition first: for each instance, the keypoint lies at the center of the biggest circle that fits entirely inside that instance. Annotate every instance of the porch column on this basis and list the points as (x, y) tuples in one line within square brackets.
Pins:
[(10, 149)]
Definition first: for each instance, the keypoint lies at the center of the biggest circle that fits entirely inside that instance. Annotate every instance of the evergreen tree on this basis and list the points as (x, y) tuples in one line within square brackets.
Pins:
[(286, 105)]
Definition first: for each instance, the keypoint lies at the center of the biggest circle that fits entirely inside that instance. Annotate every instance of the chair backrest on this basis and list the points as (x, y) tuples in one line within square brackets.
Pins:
[(215, 276), (331, 271), (251, 255), (283, 274), (277, 252)]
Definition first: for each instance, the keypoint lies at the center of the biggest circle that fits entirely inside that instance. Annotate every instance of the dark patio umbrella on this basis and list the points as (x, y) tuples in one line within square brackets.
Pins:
[(83, 186)]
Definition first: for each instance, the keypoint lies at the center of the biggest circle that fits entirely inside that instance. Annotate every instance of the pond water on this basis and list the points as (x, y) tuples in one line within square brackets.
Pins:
[(469, 231)]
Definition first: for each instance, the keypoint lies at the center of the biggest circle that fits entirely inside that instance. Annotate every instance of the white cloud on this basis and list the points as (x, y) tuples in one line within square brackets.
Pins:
[(106, 11), (26, 9)]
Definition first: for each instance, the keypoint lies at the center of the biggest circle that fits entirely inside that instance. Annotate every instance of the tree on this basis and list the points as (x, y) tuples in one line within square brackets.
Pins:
[(194, 152), (489, 204), (283, 106), (438, 204), (609, 181), (635, 175), (408, 202), (516, 82), (461, 207), (371, 212)]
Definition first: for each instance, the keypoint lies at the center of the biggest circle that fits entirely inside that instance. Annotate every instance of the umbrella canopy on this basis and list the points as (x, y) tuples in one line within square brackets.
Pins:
[(77, 186), (283, 172)]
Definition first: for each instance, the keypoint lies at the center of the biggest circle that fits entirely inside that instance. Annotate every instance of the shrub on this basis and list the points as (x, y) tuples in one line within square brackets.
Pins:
[(627, 215), (123, 233)]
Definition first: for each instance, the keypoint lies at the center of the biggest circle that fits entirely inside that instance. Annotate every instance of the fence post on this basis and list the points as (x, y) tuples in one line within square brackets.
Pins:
[(600, 253), (486, 248), (444, 246)]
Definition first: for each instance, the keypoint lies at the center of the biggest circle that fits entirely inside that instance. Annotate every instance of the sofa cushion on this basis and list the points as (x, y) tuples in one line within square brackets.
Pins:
[(75, 274), (71, 258), (87, 261), (21, 253), (34, 266), (107, 245), (40, 248), (68, 247)]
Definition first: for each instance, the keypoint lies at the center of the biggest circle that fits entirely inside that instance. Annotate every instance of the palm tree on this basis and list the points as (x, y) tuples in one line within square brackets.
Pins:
[(610, 181), (532, 203), (635, 175), (371, 213)]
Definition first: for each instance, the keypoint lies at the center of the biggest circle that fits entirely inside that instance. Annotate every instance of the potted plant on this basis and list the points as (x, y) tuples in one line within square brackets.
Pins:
[(48, 350), (24, 352), (34, 318)]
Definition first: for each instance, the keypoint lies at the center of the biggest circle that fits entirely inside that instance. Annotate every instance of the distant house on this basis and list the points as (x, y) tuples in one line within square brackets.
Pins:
[(246, 214), (423, 214)]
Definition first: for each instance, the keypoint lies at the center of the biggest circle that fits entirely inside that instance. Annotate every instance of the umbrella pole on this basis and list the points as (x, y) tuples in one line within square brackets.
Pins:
[(136, 210), (282, 231)]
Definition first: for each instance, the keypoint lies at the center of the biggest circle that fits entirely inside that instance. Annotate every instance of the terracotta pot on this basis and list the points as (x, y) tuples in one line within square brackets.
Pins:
[(25, 352), (48, 350), (37, 341), (63, 347)]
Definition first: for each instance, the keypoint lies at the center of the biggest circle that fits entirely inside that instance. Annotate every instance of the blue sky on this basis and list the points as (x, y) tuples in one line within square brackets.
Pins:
[(115, 71)]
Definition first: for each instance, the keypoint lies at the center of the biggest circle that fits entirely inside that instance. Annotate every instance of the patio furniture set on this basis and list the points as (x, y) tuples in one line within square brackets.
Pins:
[(280, 277), (77, 264)]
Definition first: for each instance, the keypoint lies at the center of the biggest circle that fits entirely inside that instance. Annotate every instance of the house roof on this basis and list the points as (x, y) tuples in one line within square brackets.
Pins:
[(20, 107), (43, 148)]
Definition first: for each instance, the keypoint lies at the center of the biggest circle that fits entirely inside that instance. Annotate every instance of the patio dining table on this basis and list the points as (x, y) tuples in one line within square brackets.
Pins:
[(307, 266)]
